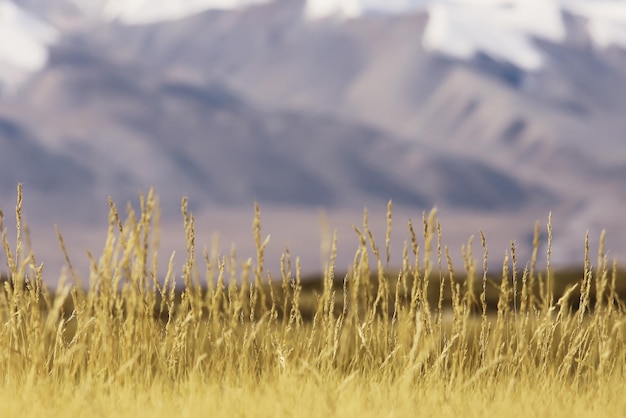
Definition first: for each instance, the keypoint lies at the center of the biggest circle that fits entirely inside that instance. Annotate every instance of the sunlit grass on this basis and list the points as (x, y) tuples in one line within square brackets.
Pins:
[(224, 337)]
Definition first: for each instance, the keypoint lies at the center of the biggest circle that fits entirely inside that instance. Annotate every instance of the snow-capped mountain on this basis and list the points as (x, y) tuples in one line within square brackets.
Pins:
[(505, 30), (509, 109)]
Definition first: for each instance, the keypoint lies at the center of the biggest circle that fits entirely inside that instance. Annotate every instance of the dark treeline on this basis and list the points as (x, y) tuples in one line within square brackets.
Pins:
[(312, 288)]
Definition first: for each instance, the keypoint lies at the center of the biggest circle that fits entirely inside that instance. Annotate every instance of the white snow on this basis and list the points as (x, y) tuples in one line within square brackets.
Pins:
[(24, 43), (322, 9), (502, 29), (346, 9), (606, 20)]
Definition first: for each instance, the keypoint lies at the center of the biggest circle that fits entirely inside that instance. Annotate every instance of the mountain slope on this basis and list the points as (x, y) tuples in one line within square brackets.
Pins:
[(135, 130), (260, 103)]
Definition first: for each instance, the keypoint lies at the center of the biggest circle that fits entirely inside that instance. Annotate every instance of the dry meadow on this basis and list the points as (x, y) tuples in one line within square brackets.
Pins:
[(224, 337)]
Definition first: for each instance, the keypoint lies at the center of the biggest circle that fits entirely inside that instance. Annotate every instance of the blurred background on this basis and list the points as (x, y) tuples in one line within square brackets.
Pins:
[(496, 112)]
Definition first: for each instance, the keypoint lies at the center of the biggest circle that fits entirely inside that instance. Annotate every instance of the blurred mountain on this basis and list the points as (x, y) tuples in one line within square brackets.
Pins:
[(230, 105), (134, 129)]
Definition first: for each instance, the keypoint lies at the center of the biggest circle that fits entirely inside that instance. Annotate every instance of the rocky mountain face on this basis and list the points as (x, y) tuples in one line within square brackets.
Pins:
[(233, 106)]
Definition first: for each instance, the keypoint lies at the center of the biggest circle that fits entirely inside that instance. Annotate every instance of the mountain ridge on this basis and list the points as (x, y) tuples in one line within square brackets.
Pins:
[(233, 106)]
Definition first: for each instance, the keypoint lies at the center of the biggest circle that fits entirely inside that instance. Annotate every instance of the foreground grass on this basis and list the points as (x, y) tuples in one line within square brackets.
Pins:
[(299, 395), (242, 343)]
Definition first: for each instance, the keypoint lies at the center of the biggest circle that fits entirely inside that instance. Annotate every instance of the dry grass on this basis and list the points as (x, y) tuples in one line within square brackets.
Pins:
[(241, 343)]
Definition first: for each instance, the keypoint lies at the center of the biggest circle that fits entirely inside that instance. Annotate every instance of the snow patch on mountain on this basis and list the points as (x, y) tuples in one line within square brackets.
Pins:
[(321, 9), (24, 43), (347, 9), (606, 21), (501, 29)]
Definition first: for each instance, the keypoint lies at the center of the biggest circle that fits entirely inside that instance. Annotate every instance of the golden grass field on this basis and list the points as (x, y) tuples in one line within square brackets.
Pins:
[(224, 338)]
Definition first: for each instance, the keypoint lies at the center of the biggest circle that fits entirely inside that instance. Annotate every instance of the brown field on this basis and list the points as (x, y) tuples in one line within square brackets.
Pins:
[(224, 338)]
